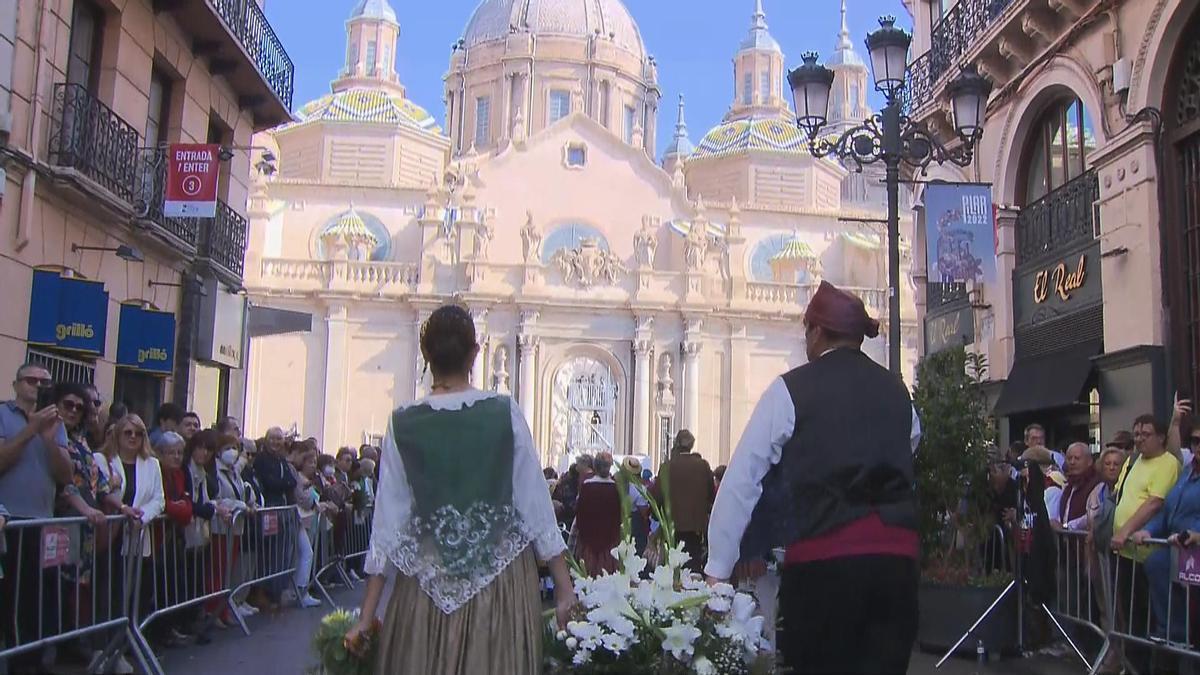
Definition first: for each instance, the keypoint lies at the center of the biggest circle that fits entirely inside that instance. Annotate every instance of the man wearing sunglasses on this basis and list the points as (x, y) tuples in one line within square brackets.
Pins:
[(34, 461)]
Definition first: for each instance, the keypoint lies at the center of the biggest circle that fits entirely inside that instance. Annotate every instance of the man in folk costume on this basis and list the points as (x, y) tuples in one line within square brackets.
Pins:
[(824, 469)]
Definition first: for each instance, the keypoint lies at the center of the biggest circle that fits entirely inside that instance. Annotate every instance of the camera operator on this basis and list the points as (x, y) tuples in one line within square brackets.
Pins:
[(34, 461)]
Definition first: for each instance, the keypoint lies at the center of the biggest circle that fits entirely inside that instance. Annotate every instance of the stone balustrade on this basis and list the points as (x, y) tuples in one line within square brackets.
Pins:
[(342, 275)]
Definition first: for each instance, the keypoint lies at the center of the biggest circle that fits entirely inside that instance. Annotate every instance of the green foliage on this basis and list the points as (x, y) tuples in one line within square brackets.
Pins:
[(951, 466)]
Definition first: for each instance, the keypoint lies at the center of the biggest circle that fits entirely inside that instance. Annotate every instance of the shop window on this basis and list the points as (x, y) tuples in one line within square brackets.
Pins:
[(1059, 146), (140, 392), (62, 368)]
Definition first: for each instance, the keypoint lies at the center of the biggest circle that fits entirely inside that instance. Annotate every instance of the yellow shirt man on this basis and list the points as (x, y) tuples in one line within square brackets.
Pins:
[(1148, 478)]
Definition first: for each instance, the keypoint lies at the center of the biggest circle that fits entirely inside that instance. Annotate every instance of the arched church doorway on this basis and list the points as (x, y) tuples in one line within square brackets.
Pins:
[(584, 409)]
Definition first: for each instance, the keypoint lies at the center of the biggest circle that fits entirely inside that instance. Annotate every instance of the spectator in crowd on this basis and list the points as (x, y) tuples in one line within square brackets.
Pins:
[(345, 458), (277, 479), (368, 451), (116, 411), (566, 492), (718, 474), (229, 426), (168, 418), (1150, 476), (1180, 512), (168, 541), (232, 495), (200, 468), (639, 508), (134, 468), (88, 493), (34, 461), (550, 474), (190, 425), (598, 519), (97, 416), (1123, 439), (692, 491), (303, 464), (245, 468), (1083, 482)]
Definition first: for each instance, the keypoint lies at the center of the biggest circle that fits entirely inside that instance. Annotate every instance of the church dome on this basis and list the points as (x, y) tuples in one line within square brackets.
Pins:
[(361, 104), (763, 134), (374, 9), (495, 19)]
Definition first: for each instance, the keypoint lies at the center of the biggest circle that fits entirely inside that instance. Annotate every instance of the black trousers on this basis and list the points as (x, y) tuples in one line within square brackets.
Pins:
[(693, 544), (853, 616)]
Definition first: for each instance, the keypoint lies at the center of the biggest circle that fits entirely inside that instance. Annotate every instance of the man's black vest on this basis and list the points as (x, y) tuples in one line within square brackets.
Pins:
[(850, 454)]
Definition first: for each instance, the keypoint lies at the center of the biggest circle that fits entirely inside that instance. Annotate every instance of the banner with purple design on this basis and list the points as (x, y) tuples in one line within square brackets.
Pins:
[(959, 233)]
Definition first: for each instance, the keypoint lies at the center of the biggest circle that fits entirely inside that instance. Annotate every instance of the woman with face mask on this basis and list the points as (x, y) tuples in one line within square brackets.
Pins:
[(230, 499)]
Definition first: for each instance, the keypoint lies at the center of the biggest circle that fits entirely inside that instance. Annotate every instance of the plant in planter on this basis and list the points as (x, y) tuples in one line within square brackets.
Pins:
[(954, 516)]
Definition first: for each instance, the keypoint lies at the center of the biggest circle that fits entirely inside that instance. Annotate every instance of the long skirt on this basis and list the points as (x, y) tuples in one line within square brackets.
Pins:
[(499, 631)]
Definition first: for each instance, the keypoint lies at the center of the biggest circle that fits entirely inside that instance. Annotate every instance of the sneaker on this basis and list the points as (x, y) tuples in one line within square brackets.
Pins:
[(307, 600), (353, 577), (251, 609), (122, 666), (243, 611)]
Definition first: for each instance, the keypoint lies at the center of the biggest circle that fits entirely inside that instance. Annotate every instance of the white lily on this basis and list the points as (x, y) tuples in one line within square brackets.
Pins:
[(679, 639)]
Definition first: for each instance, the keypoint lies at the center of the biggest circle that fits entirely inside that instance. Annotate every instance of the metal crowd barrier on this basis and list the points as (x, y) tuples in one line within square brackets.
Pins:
[(268, 546), (72, 581), (1155, 607), (344, 536)]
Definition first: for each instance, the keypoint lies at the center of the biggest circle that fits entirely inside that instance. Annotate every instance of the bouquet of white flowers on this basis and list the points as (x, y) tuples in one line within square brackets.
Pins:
[(672, 622)]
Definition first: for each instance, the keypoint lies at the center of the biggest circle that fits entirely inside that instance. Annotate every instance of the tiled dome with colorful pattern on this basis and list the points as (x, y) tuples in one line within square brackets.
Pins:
[(794, 250), (361, 104), (741, 136)]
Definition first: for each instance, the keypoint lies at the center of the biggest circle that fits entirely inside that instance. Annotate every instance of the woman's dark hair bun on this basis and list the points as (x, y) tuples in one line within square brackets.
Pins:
[(448, 340)]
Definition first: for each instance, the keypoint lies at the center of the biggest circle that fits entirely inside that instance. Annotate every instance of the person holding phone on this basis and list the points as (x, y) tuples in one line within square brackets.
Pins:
[(34, 462)]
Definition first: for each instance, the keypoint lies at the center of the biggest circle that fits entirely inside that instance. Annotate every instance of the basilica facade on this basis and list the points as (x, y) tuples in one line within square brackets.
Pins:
[(618, 296)]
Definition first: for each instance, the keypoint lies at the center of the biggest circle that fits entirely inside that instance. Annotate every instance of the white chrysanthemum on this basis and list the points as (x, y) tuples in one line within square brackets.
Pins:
[(572, 643), (703, 666), (679, 638), (561, 635), (723, 589), (581, 657)]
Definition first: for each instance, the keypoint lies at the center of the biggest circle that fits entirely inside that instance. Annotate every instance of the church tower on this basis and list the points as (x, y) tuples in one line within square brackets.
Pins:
[(372, 36), (848, 98), (681, 146), (758, 73)]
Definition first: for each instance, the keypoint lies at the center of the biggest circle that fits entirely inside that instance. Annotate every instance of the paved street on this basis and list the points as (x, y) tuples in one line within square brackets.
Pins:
[(279, 645)]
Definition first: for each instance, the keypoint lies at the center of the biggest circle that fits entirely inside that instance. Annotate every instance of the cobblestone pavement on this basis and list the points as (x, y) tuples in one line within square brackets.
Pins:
[(279, 645)]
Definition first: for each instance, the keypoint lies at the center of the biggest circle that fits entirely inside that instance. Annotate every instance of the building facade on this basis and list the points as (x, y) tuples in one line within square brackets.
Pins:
[(100, 285), (618, 298), (1092, 146)]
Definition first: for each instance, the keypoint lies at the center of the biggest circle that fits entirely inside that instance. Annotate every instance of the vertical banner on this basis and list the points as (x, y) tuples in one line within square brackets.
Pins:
[(960, 235), (192, 172)]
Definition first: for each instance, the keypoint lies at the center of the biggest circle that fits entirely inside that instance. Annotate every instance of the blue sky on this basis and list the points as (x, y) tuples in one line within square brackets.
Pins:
[(693, 41)]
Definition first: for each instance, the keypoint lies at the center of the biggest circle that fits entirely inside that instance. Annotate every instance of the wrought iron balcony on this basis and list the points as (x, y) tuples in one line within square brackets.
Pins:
[(952, 38), (242, 46), (939, 294), (87, 136), (148, 203), (223, 242), (1062, 217)]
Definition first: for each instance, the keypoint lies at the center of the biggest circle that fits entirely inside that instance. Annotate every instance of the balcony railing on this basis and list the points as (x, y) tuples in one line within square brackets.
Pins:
[(952, 38), (223, 240), (148, 204), (938, 294), (1062, 217), (249, 25), (87, 136)]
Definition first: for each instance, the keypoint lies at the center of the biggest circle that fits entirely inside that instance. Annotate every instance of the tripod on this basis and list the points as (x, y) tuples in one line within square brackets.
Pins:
[(1018, 584)]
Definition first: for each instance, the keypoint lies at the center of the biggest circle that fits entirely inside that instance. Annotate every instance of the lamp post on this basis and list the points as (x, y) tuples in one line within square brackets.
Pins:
[(889, 137)]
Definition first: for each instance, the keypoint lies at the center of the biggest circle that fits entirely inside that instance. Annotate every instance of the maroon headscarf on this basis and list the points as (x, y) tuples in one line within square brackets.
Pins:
[(836, 310)]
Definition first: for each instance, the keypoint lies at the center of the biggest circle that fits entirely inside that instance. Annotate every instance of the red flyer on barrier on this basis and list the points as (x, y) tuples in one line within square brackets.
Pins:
[(270, 524), (56, 546)]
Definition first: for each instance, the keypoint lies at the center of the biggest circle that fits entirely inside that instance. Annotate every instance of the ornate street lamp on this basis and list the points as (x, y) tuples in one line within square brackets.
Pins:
[(889, 137)]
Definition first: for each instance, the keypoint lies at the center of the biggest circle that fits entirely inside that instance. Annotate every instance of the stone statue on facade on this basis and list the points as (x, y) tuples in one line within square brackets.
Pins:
[(589, 264), (695, 246), (645, 242), (484, 233), (531, 240), (500, 378), (666, 384)]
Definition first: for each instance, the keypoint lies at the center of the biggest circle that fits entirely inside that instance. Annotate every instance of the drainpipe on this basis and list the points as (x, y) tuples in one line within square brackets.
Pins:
[(29, 183)]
